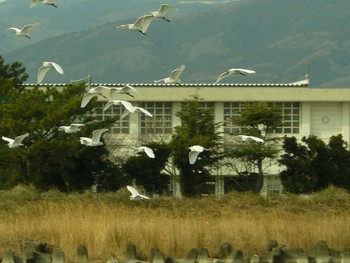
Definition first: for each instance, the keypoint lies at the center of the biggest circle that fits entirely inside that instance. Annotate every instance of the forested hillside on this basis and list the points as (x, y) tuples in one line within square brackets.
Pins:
[(275, 38)]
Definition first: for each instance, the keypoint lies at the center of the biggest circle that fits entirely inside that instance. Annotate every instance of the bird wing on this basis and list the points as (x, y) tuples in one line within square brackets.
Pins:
[(96, 134), (86, 99), (257, 139), (57, 67), (144, 197), (244, 72), (13, 29), (108, 105), (175, 74), (63, 128), (128, 88), (144, 111), (7, 139), (148, 151), (20, 138), (222, 76), (77, 125), (164, 8), (113, 93), (146, 21), (42, 72), (29, 27), (138, 22), (127, 105), (192, 156), (34, 3), (125, 113), (133, 191), (197, 148)]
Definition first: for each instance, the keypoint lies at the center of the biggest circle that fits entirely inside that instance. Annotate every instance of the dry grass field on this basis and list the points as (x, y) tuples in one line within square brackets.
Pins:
[(105, 223)]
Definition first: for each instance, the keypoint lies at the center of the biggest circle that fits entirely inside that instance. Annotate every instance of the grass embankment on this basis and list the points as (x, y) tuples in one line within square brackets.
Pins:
[(105, 223)]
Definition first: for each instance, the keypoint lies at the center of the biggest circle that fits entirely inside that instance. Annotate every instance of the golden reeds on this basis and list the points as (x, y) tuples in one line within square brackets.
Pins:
[(105, 223)]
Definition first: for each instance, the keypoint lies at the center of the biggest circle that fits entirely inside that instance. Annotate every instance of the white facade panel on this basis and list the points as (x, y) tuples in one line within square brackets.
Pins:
[(326, 119)]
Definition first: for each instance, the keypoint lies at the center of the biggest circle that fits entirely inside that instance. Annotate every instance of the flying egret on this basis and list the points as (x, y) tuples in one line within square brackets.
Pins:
[(195, 151), (95, 140), (127, 105), (24, 32), (135, 194), (74, 127), (249, 138), (174, 76), (113, 91), (164, 8), (145, 149), (137, 109), (46, 2), (13, 143), (141, 24), (234, 71), (45, 68), (95, 91)]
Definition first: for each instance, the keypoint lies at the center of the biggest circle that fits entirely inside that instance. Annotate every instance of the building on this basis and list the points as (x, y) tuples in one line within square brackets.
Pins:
[(322, 112)]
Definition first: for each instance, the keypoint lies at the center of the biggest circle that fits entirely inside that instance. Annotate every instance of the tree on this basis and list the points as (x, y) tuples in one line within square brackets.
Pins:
[(257, 119), (12, 77), (312, 165), (197, 128), (50, 158), (148, 171)]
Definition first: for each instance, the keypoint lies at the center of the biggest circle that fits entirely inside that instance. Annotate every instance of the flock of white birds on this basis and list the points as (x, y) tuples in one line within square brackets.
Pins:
[(140, 25)]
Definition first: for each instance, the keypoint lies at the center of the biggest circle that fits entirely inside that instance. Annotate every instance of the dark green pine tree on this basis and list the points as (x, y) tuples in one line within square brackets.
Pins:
[(197, 128), (50, 158)]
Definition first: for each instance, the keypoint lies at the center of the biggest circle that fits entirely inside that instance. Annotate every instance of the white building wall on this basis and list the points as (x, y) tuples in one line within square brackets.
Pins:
[(326, 119)]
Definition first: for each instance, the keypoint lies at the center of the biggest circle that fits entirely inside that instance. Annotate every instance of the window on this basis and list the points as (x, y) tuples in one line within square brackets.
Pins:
[(121, 126), (232, 109), (161, 122), (290, 116)]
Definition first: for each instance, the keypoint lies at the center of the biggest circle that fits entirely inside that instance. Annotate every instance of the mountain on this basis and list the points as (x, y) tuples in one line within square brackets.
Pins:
[(74, 16), (278, 39)]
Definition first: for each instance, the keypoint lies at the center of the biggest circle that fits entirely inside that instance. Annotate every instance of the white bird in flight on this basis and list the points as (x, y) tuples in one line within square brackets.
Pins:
[(13, 143), (24, 32), (1, 1), (46, 2), (92, 92), (113, 91), (145, 149), (164, 8), (249, 138), (45, 68), (137, 109), (195, 151), (73, 128), (95, 140), (135, 194), (127, 105), (141, 24), (174, 76), (234, 71)]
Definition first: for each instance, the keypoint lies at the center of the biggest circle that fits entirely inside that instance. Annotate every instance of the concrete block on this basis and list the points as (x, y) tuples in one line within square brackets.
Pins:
[(191, 257), (57, 255), (112, 260), (158, 257), (8, 257), (203, 256), (81, 255), (225, 250)]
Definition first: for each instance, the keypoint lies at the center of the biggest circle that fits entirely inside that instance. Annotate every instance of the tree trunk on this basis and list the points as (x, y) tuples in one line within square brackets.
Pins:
[(260, 180)]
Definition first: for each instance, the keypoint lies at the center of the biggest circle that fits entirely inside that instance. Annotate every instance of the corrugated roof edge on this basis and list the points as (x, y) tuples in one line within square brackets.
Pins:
[(177, 85)]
